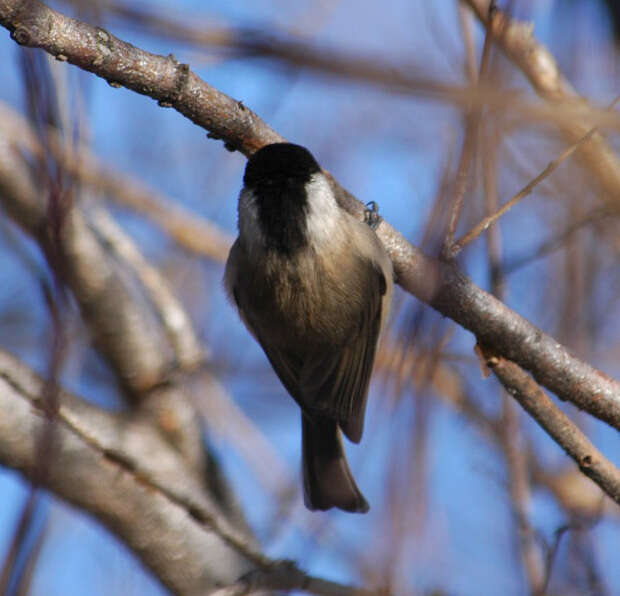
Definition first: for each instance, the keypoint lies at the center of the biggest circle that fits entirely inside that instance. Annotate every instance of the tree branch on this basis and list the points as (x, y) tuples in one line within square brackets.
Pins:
[(188, 229), (440, 285), (107, 305), (558, 425), (538, 65), (105, 466)]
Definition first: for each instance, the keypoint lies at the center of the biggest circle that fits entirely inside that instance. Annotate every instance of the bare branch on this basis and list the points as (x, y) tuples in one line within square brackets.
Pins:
[(187, 350), (33, 24), (574, 492), (106, 303), (105, 465), (435, 283), (468, 151), (510, 431), (524, 192), (539, 66), (558, 425), (189, 230)]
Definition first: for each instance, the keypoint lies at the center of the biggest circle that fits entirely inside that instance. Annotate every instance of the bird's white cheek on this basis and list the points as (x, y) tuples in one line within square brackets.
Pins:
[(324, 218)]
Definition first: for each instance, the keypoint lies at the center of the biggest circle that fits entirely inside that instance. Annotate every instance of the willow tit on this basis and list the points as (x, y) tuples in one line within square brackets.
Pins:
[(313, 285)]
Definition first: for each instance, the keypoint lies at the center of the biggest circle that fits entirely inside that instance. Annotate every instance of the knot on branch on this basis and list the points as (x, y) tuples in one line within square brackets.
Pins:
[(182, 78), (21, 35), (104, 46)]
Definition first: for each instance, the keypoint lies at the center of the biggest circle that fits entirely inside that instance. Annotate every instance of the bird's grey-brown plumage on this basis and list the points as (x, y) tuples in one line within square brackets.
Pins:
[(317, 311)]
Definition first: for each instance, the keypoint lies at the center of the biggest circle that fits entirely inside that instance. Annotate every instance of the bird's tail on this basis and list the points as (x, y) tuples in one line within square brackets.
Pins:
[(328, 482)]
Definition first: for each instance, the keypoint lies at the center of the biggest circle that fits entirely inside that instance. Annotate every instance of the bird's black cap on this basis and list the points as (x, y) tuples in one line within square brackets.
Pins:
[(277, 161), (277, 175)]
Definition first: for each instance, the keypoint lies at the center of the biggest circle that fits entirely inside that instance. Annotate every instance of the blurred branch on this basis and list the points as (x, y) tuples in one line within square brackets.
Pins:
[(574, 491), (490, 220), (121, 329), (557, 241), (510, 428), (438, 284), (173, 84), (134, 319), (524, 192), (468, 150), (143, 345), (558, 425), (539, 66), (17, 541), (577, 494), (225, 419), (189, 230), (285, 48), (286, 576), (56, 300), (175, 320), (105, 464)]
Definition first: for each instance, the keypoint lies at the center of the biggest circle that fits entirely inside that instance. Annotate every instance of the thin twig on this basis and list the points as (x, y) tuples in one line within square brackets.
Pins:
[(189, 230), (488, 221), (552, 551), (538, 64), (465, 20), (511, 439), (557, 241), (468, 152)]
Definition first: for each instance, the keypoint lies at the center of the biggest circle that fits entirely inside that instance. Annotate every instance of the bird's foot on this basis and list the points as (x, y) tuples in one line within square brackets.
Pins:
[(371, 215)]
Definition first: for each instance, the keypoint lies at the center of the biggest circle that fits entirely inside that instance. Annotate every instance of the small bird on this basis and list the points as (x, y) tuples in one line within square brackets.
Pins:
[(313, 285)]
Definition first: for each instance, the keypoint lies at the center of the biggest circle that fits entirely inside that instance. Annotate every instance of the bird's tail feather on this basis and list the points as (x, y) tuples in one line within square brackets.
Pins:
[(328, 481)]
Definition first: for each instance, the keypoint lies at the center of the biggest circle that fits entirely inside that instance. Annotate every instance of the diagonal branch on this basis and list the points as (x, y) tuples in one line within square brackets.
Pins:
[(442, 286), (558, 425), (105, 465), (107, 304), (188, 229), (492, 218)]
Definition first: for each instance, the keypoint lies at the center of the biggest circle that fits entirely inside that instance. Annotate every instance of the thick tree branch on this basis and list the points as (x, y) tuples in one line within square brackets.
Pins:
[(106, 465), (294, 52), (173, 84), (440, 285)]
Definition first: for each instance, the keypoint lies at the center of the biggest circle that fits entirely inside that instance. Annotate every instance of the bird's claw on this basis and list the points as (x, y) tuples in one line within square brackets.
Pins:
[(371, 215)]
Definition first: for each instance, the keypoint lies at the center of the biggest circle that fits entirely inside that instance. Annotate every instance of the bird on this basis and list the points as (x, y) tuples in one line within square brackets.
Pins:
[(313, 285)]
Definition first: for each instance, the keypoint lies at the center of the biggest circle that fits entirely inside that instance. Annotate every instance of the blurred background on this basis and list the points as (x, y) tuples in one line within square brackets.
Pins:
[(468, 495)]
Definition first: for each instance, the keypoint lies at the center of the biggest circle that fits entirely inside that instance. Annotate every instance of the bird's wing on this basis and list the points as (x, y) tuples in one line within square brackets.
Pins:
[(330, 380), (285, 363), (335, 380)]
